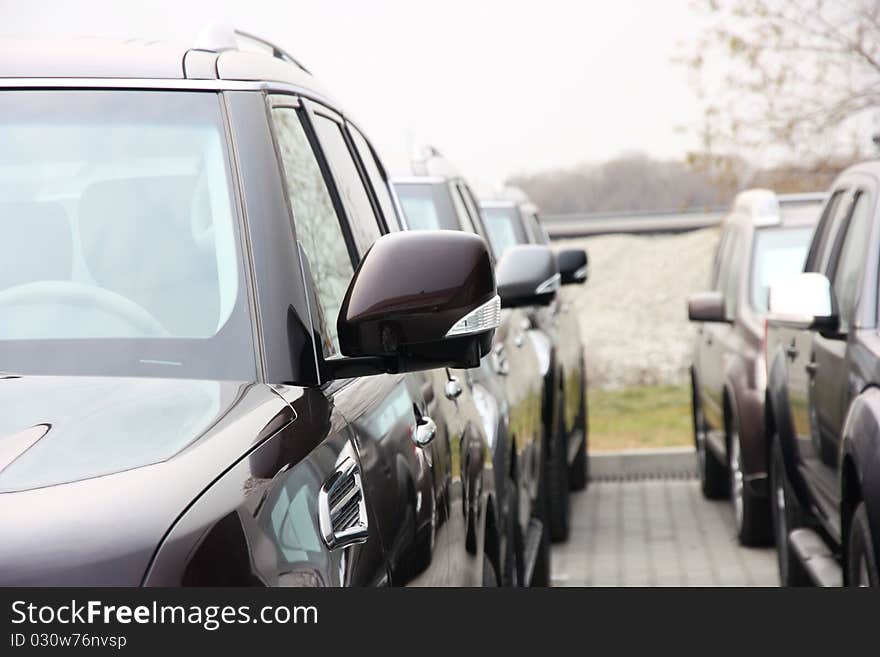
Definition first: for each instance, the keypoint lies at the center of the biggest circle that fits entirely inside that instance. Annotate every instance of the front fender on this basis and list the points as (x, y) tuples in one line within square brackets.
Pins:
[(778, 411), (860, 463)]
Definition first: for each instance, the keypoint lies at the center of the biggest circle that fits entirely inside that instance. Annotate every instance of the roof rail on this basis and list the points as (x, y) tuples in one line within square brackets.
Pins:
[(218, 37)]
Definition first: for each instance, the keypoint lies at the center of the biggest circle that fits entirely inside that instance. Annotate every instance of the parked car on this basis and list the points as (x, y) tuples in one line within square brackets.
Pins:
[(823, 401), (511, 219), (764, 238), (219, 368), (510, 380)]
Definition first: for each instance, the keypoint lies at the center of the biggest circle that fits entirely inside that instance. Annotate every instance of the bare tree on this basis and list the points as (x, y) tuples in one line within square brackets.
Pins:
[(788, 78)]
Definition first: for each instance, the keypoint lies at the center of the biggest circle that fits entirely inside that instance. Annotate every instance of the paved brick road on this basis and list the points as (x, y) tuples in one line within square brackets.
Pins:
[(656, 532)]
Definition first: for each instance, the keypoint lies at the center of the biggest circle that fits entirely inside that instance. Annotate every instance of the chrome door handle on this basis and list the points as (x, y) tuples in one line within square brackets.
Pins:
[(792, 351), (425, 431), (453, 388), (812, 367)]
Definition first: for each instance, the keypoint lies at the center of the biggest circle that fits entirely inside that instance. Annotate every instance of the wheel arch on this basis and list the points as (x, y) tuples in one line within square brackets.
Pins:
[(860, 466)]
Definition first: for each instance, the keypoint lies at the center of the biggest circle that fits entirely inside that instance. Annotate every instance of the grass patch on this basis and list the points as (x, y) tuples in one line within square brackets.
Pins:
[(646, 417)]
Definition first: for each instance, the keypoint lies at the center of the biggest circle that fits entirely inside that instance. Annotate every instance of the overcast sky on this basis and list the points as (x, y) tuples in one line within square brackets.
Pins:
[(500, 86)]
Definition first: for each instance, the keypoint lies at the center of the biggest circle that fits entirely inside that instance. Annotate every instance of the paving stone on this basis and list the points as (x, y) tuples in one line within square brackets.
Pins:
[(656, 532)]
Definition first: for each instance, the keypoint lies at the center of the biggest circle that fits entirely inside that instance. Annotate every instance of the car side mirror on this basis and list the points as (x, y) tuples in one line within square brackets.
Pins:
[(418, 300), (574, 267), (805, 301), (527, 276), (707, 307)]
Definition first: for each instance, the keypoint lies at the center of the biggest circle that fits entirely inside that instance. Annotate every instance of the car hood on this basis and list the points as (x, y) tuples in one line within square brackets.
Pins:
[(93, 471)]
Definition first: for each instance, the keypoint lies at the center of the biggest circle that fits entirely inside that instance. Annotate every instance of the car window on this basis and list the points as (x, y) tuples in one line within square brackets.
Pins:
[(427, 206), (538, 236), (119, 239), (849, 262), (834, 234), (730, 274), (720, 255), (822, 230), (504, 228), (376, 174), (362, 218), (471, 215), (776, 254), (318, 229)]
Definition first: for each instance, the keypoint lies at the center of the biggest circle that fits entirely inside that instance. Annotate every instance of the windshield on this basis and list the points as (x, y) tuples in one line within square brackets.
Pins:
[(777, 253), (427, 206), (504, 228), (119, 244)]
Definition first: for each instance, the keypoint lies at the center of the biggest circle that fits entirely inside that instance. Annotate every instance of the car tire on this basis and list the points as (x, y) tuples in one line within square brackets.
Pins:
[(751, 513), (579, 476), (861, 562), (787, 515), (559, 498), (713, 473)]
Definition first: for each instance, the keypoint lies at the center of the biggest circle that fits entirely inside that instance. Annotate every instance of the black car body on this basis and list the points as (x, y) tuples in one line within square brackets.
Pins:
[(763, 239), (823, 405), (182, 227), (513, 220), (510, 379)]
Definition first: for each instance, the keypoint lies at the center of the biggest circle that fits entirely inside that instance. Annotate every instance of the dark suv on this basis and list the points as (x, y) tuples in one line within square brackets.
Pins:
[(223, 366), (765, 237), (511, 375), (512, 220), (823, 395)]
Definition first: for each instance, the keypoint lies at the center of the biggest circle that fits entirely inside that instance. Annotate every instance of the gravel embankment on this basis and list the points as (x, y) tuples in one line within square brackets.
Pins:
[(633, 310)]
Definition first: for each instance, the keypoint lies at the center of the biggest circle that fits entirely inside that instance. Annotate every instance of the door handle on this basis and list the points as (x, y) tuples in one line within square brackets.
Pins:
[(708, 339), (425, 431), (453, 388), (812, 367), (792, 351)]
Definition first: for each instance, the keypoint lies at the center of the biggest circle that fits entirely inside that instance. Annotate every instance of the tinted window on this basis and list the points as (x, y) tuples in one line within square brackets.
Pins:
[(776, 254), (118, 239), (720, 252), (377, 178), (362, 218), (538, 235), (318, 230), (471, 214), (831, 222), (730, 272), (504, 228), (851, 259), (427, 206)]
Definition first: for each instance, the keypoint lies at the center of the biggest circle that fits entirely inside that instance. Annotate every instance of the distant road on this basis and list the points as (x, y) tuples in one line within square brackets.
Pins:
[(585, 224)]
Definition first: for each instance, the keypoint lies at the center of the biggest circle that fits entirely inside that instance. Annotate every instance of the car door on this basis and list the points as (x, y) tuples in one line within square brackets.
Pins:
[(831, 387), (798, 346), (330, 209)]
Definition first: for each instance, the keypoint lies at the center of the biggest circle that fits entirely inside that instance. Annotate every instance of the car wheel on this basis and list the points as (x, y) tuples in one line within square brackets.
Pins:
[(713, 475), (787, 516), (580, 468), (861, 562), (751, 513), (557, 478)]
